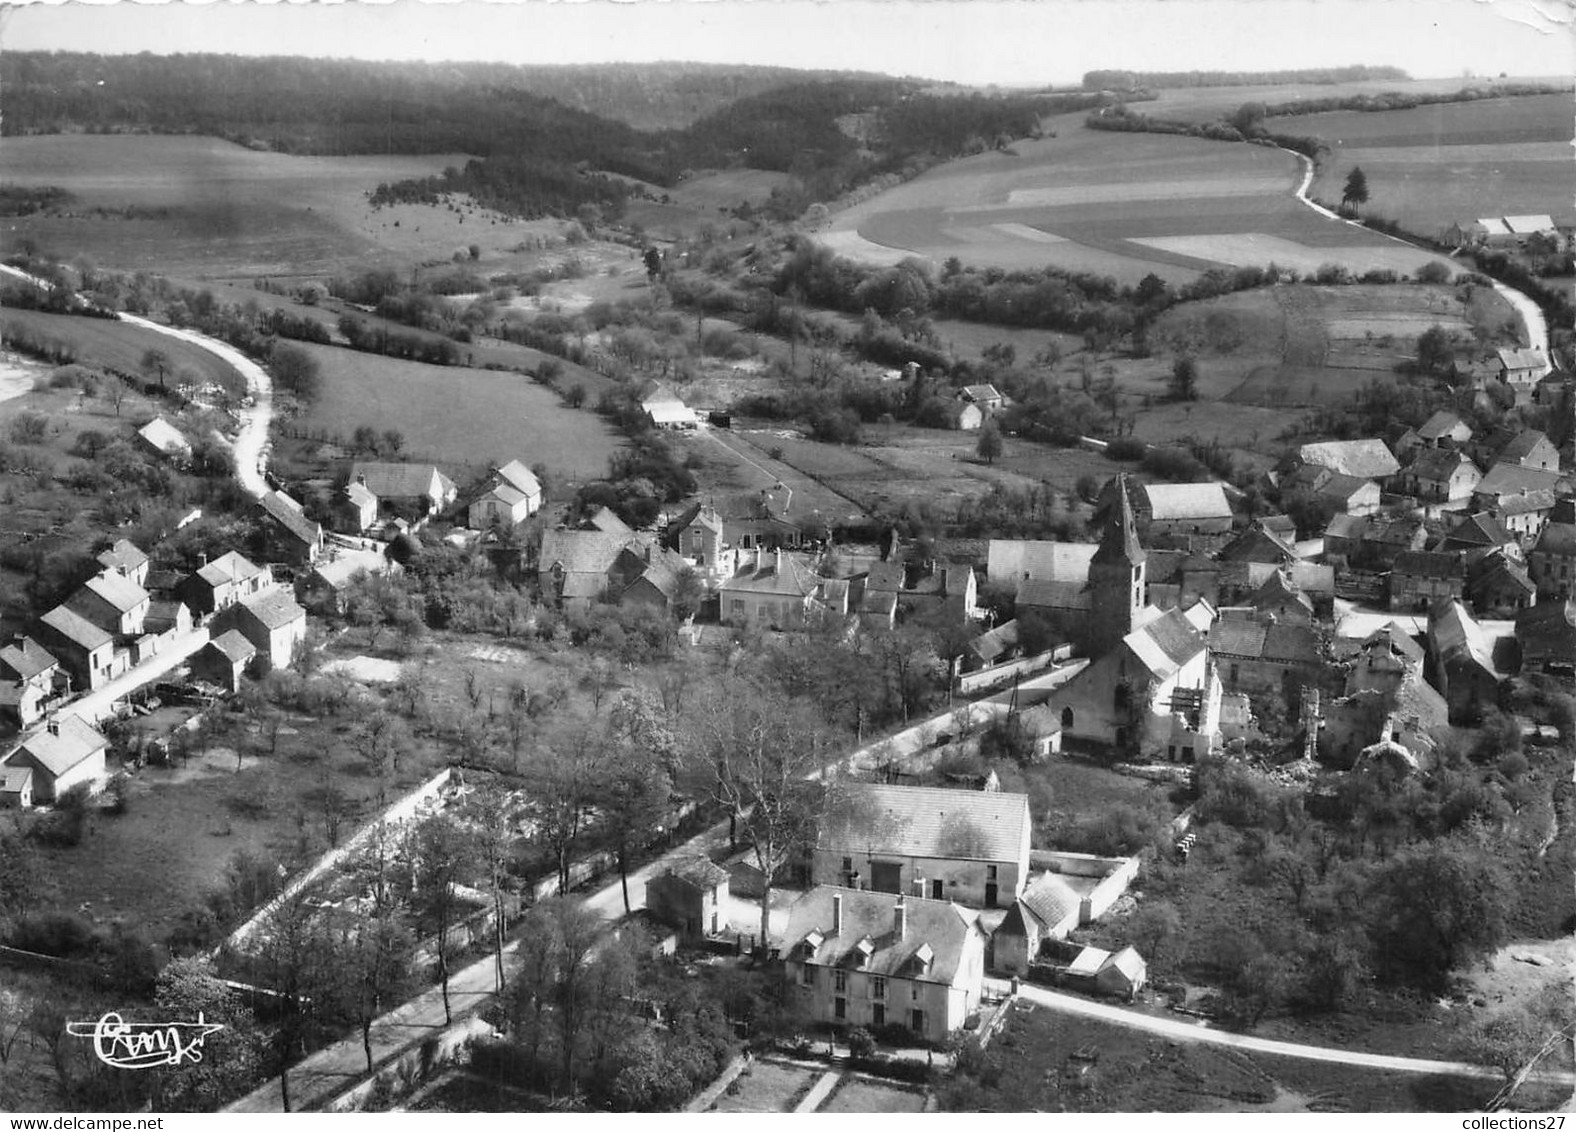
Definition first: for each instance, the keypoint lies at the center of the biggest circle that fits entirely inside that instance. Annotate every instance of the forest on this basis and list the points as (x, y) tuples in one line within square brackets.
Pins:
[(1132, 80)]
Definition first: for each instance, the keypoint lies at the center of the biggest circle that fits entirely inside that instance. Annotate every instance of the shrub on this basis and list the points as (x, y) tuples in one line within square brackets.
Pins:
[(29, 427), (61, 934), (1434, 272), (1126, 449), (861, 1044)]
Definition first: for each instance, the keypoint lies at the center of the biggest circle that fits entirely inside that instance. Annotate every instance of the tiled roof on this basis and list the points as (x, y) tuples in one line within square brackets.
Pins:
[(1034, 593), (1479, 529), (1547, 631), (582, 552), (1343, 487), (124, 555), (698, 871), (521, 478), (869, 917), (984, 392), (794, 579), (1495, 571), (1527, 503), (1237, 636), (1521, 358), (1556, 538), (1255, 544), (1342, 525), (1051, 899), (1291, 644), (1522, 445), (928, 821), (1513, 479), (119, 591), (76, 628), (1166, 643), (400, 481), (58, 753), (1438, 464), (1441, 424), (1365, 459), (1177, 501), (25, 658), (1003, 638), (164, 436), (235, 647), (274, 608), (1431, 563), (1041, 560), (229, 567), (288, 514), (1456, 634), (608, 523)]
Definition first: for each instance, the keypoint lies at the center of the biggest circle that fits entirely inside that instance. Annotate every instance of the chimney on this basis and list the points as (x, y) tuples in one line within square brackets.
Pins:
[(779, 562), (54, 727), (837, 913), (900, 917), (202, 560), (361, 478)]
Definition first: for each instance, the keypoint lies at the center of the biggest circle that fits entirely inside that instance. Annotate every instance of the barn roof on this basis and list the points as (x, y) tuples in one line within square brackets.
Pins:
[(1177, 501), (1366, 459), (929, 821)]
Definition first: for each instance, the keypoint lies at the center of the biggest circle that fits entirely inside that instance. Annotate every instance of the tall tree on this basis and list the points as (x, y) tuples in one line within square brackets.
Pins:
[(1356, 191), (990, 444), (155, 363), (1184, 379), (760, 756), (294, 960), (440, 855)]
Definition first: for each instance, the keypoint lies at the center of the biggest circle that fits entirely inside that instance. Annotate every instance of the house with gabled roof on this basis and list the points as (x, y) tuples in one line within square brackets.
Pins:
[(1420, 578), (290, 536), (1461, 662), (219, 584), (1480, 533), (223, 660), (1530, 448), (64, 753), (1175, 509), (164, 439), (85, 650), (1443, 429), (968, 846), (1440, 475), (513, 495), (775, 589), (28, 677), (690, 894), (113, 602), (1552, 561), (1504, 480), (1264, 655), (1256, 543), (985, 395), (1049, 908), (412, 490), (574, 568), (1498, 585), (272, 622), (666, 410), (1547, 635), (874, 959), (355, 508), (1519, 371), (127, 560)]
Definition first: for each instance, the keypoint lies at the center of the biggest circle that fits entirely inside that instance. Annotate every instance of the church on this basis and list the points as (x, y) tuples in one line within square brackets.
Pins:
[(1150, 687)]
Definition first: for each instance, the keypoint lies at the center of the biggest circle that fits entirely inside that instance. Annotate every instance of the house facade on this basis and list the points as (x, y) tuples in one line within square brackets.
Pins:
[(64, 753), (28, 675), (84, 650), (872, 959), (692, 896), (775, 590), (273, 623), (1552, 561), (219, 584), (1420, 578)]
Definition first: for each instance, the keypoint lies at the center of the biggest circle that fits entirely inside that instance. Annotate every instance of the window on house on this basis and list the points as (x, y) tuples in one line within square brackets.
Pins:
[(1067, 717), (877, 987), (878, 1015), (840, 1008), (848, 864), (991, 872), (840, 980), (807, 975)]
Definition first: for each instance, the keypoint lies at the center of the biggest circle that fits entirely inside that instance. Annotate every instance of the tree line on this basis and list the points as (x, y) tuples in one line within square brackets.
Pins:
[(1131, 80)]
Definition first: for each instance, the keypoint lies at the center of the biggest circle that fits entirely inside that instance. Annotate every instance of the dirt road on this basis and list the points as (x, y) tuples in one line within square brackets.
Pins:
[(1198, 1032)]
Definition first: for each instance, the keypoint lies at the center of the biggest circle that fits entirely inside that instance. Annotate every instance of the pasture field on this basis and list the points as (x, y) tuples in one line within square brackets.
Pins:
[(1432, 166), (1116, 204), (109, 344), (456, 416), (767, 1086), (740, 461), (207, 207), (726, 189)]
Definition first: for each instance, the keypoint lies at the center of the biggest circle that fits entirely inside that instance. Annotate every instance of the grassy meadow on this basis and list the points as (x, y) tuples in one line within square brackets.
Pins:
[(103, 343), (456, 416)]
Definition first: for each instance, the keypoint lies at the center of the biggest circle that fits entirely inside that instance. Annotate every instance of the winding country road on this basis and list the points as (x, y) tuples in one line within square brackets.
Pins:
[(1198, 1033), (1531, 314), (252, 440)]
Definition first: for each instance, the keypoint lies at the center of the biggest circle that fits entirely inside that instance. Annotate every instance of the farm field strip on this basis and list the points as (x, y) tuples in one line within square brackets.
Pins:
[(1245, 248)]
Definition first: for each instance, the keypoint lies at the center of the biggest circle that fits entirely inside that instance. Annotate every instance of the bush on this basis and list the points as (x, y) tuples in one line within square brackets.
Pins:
[(1434, 272), (61, 934), (1126, 449), (861, 1044)]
